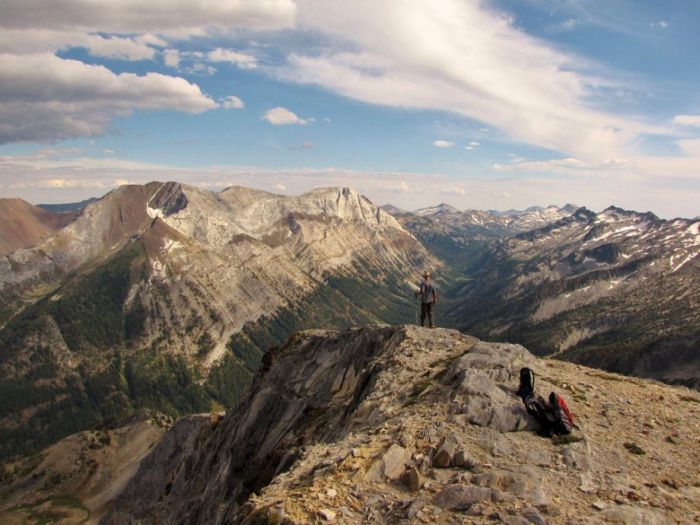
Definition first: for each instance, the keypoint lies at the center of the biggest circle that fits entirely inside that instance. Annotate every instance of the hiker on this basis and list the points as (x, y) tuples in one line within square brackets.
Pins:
[(428, 295)]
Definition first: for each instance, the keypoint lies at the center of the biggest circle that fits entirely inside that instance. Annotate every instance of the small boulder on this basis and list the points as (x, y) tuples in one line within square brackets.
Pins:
[(461, 497), (327, 515), (412, 479), (444, 454), (395, 461), (627, 514)]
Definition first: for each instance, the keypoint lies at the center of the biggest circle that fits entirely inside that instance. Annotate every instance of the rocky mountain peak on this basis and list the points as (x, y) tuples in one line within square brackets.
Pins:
[(613, 213), (440, 209), (387, 424)]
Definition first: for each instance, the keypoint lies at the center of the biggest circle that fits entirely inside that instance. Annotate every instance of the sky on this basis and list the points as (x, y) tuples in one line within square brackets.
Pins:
[(493, 104)]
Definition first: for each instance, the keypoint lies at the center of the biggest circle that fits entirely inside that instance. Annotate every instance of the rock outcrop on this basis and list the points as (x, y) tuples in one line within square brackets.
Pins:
[(402, 424)]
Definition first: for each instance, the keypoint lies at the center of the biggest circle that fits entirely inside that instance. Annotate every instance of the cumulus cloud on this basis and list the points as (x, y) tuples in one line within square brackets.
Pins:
[(464, 58), (687, 120), (44, 97), (171, 57), (242, 60), (280, 116), (232, 102), (21, 42), (443, 144)]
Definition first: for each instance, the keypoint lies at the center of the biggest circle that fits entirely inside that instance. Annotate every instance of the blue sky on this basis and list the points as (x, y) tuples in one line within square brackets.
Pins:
[(494, 104)]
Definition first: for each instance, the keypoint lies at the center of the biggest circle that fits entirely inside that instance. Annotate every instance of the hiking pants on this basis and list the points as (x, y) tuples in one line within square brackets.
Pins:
[(427, 309)]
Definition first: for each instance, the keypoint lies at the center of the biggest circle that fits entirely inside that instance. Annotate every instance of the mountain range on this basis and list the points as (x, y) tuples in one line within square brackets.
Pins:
[(167, 297)]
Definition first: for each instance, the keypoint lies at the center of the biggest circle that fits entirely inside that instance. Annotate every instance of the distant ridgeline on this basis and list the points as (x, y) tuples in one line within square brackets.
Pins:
[(165, 296)]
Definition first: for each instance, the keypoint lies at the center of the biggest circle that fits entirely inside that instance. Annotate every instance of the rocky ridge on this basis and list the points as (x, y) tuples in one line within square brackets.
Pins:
[(408, 425)]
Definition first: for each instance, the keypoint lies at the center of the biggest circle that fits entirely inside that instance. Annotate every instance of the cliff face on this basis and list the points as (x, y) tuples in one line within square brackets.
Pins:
[(401, 424)]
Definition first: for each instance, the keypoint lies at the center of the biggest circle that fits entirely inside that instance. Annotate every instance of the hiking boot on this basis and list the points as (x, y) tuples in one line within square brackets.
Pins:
[(527, 383)]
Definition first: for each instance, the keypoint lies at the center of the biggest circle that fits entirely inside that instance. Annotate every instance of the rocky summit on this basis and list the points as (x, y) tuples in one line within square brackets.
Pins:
[(399, 424)]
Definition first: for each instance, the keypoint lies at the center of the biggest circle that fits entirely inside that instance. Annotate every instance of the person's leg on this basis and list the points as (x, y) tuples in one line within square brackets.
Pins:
[(423, 310), (430, 315)]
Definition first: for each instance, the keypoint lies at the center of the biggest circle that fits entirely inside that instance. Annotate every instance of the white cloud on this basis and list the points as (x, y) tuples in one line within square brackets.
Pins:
[(280, 116), (464, 58), (30, 41), (453, 190), (44, 97), (36, 178), (687, 120), (548, 166), (242, 60), (279, 187), (151, 40), (660, 23), (473, 144), (171, 57), (443, 144), (232, 102), (175, 17), (569, 24)]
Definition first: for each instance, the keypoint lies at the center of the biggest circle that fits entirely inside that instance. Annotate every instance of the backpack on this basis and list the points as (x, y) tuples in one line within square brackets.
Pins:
[(554, 415)]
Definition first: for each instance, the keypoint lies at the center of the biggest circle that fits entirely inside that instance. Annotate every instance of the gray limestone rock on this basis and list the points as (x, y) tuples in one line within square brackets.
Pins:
[(461, 497), (629, 515), (485, 381), (395, 461)]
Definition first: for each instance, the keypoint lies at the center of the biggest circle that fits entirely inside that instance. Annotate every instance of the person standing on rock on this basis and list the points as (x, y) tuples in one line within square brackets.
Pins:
[(428, 295)]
